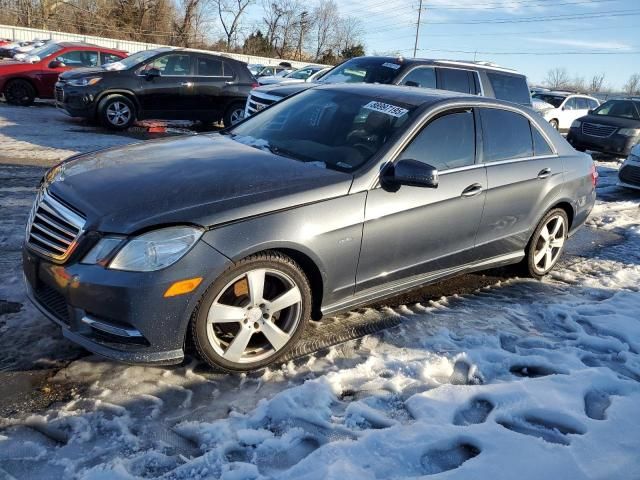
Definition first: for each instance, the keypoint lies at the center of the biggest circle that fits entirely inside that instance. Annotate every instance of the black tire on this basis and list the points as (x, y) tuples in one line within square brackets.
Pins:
[(554, 123), (529, 266), (223, 287), (111, 104), (580, 149), (230, 116), (19, 92)]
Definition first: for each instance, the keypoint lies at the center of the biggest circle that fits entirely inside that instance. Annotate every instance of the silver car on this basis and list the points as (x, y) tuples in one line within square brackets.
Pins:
[(336, 197)]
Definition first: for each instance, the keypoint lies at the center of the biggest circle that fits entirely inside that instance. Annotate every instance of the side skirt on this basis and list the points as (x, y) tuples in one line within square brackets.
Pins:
[(395, 288)]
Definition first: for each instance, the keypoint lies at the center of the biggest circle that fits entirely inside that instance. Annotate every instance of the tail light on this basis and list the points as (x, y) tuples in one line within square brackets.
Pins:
[(594, 175), (255, 85)]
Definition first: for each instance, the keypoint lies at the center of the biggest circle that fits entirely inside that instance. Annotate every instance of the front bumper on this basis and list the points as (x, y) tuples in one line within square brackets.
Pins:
[(121, 315), (614, 145), (76, 101)]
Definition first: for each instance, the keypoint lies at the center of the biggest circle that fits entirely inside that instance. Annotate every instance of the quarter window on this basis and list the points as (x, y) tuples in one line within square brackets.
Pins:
[(540, 145), (592, 104), (171, 65), (505, 135), (447, 142), (424, 77), (583, 104), (79, 58)]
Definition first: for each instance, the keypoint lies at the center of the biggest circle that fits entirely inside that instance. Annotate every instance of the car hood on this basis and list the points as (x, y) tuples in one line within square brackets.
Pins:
[(83, 72), (612, 121), (280, 90), (201, 179)]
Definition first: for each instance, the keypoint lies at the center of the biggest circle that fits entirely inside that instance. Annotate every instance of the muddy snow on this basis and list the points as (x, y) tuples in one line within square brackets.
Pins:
[(518, 379)]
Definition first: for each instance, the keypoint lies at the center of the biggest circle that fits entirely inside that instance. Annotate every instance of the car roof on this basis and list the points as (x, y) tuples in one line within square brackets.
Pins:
[(84, 44), (417, 97), (473, 65)]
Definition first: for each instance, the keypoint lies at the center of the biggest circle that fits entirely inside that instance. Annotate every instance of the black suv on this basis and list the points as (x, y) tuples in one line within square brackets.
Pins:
[(612, 128), (475, 78), (165, 83)]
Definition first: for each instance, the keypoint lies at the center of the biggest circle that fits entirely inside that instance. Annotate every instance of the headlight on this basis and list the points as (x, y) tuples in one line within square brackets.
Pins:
[(84, 82), (576, 124), (102, 250), (155, 250), (629, 132)]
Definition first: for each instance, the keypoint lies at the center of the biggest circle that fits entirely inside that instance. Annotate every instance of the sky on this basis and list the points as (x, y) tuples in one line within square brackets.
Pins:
[(532, 36)]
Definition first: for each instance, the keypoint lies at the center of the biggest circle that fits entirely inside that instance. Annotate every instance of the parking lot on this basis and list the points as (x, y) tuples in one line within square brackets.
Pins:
[(507, 370)]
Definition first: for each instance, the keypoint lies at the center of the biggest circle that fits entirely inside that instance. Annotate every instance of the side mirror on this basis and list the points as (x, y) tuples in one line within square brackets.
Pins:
[(590, 111), (152, 73), (56, 64), (412, 173)]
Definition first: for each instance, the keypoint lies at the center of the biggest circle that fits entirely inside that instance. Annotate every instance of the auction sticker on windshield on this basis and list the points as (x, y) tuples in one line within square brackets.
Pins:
[(395, 66), (392, 110)]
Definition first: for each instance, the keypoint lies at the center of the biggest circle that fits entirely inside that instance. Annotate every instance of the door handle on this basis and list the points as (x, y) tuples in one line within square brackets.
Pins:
[(544, 173), (186, 84), (229, 83), (472, 190)]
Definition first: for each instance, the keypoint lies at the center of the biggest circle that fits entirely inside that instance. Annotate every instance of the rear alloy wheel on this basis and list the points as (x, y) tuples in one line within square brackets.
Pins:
[(116, 112), (233, 115), (554, 124), (547, 243), (253, 314), (19, 92)]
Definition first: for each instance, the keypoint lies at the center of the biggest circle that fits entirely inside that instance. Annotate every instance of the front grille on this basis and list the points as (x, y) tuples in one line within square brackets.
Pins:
[(630, 174), (53, 302), (256, 103), (59, 95), (53, 228), (597, 130)]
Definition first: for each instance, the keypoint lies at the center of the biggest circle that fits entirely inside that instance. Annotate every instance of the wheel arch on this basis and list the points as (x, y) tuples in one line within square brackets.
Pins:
[(568, 209), (26, 79), (126, 93)]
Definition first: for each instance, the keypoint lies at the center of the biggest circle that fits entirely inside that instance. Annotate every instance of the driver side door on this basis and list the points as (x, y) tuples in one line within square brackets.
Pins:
[(416, 231)]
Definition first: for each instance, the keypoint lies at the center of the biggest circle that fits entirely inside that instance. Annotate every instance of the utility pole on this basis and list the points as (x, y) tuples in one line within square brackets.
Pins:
[(415, 46)]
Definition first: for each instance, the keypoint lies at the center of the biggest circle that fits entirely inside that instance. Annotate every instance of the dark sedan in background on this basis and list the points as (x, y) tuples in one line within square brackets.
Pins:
[(612, 128), (166, 83), (338, 196)]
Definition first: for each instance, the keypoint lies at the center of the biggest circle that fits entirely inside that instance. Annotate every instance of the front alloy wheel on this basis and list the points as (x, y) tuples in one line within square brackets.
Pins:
[(253, 314), (116, 112), (547, 243)]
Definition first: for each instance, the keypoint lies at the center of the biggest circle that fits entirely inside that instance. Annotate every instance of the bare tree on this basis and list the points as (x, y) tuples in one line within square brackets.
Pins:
[(349, 33), (325, 21), (597, 83), (229, 13), (557, 78), (632, 87)]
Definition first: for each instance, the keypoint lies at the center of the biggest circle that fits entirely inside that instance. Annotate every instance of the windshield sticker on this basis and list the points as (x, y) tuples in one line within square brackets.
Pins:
[(386, 108), (395, 66)]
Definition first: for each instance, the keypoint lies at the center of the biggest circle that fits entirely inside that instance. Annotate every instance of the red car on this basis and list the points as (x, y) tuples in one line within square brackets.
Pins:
[(22, 82)]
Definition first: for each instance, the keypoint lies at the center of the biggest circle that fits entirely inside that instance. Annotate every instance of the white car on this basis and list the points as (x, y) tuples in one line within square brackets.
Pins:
[(563, 107), (305, 74), (629, 173)]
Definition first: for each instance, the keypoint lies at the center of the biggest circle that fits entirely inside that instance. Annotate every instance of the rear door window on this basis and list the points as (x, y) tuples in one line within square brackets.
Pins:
[(457, 80), (424, 77), (174, 65), (210, 67), (512, 88), (506, 135), (445, 143), (571, 104), (108, 58)]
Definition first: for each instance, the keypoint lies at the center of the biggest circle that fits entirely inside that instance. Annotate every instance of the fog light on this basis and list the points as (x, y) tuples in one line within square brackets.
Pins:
[(182, 287)]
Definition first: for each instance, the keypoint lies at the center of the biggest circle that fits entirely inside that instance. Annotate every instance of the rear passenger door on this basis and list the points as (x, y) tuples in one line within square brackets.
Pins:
[(458, 80), (413, 231), (524, 175), (213, 76)]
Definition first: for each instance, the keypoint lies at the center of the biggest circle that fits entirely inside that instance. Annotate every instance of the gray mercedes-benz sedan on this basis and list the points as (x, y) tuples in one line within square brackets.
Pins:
[(335, 197)]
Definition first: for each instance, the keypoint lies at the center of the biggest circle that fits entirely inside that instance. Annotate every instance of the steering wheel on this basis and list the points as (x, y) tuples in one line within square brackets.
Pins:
[(366, 149)]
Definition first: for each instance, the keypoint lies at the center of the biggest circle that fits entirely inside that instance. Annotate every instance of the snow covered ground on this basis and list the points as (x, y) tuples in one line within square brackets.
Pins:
[(519, 379)]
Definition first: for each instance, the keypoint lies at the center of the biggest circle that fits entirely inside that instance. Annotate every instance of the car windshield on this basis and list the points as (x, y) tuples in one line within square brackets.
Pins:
[(331, 129), (302, 74), (133, 60), (555, 100), (46, 50), (620, 108), (364, 70)]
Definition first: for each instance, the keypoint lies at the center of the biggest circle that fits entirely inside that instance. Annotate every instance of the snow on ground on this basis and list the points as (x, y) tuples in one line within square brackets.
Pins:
[(521, 379)]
